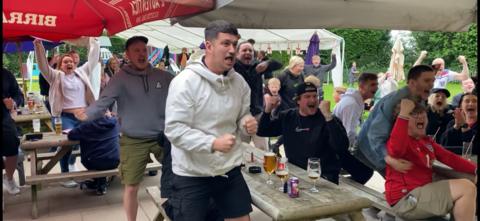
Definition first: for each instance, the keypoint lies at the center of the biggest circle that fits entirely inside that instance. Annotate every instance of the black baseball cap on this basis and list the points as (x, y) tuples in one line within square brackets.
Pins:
[(304, 88), (134, 39), (443, 90)]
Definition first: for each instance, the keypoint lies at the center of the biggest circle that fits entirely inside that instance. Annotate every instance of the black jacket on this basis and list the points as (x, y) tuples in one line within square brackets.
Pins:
[(454, 137), (255, 82), (10, 89), (288, 84), (436, 121), (306, 137)]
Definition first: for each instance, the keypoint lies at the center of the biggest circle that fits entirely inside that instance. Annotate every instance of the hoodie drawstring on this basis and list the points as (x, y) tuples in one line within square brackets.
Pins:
[(145, 83)]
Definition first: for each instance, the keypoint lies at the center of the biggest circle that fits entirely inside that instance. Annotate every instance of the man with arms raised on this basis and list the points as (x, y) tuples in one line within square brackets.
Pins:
[(207, 111)]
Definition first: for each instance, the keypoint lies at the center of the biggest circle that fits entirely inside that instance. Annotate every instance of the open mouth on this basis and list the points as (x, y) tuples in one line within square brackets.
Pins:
[(470, 110), (439, 103), (420, 125)]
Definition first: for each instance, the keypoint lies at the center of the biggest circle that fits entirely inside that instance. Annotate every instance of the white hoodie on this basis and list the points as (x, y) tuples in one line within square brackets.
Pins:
[(349, 110), (202, 106)]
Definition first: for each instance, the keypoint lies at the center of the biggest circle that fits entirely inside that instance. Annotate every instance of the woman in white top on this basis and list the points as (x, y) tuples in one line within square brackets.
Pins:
[(70, 88)]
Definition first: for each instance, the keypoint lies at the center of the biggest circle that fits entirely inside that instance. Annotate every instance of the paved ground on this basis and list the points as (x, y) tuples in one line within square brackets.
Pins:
[(59, 203)]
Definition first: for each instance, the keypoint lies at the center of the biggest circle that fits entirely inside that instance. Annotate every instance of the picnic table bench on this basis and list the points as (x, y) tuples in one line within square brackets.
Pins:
[(40, 174)]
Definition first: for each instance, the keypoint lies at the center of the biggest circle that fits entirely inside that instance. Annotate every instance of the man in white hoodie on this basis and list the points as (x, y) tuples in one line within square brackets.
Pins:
[(350, 110), (207, 111)]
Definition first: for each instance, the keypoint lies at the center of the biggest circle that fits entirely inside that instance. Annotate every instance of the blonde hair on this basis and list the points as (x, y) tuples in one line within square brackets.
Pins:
[(434, 107), (274, 81), (295, 60), (314, 80)]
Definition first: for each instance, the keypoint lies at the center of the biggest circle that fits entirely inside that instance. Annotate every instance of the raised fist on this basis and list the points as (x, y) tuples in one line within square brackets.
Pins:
[(406, 107)]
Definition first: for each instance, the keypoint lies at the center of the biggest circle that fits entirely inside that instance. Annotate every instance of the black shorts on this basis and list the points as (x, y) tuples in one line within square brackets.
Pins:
[(10, 141), (191, 196)]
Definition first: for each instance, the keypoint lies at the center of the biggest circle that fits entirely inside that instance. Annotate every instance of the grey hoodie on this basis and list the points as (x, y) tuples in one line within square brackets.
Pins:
[(202, 106), (140, 97)]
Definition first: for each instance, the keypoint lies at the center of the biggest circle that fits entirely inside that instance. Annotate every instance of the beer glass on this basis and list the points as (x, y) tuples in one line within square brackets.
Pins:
[(58, 125), (36, 125), (313, 171), (282, 171), (269, 164), (467, 150)]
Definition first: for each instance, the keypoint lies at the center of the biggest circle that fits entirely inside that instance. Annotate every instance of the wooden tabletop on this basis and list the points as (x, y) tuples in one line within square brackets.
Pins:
[(446, 171), (329, 201), (42, 114), (49, 139)]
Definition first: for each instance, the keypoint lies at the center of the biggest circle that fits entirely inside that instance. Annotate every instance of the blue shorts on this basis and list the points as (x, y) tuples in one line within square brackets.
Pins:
[(191, 196)]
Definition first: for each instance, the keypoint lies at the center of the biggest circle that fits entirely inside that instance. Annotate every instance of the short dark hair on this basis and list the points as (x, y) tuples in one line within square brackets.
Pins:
[(474, 93), (135, 39), (419, 108), (415, 72), (251, 41), (219, 26), (242, 43), (364, 77)]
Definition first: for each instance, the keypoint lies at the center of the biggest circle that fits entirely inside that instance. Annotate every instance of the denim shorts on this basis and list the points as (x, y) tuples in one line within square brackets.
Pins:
[(191, 196)]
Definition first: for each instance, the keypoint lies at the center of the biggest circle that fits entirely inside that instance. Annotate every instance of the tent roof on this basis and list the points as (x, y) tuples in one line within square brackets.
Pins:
[(161, 33), (426, 15)]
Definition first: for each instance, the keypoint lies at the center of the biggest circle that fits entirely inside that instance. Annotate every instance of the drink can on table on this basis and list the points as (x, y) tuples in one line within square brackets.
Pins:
[(293, 190)]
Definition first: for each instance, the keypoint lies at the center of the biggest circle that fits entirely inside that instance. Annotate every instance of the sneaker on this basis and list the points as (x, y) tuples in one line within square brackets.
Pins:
[(72, 168), (69, 184), (101, 190), (10, 185)]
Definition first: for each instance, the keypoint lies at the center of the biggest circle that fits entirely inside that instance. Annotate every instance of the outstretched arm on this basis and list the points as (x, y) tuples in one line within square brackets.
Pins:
[(423, 55), (465, 71)]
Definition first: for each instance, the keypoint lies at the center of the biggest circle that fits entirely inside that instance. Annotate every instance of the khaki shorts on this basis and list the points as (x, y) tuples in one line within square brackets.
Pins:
[(431, 200), (134, 156)]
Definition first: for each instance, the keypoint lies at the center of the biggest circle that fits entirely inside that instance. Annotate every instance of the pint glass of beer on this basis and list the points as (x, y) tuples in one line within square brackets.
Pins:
[(282, 171), (313, 170), (269, 164), (58, 125)]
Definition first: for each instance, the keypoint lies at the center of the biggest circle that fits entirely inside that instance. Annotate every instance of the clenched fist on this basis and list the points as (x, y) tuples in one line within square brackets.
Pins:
[(224, 143), (250, 124), (406, 107), (423, 54), (325, 109), (271, 102), (462, 59)]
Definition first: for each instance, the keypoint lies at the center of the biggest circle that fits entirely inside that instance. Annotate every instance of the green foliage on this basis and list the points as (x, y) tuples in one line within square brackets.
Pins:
[(449, 45), (118, 45), (370, 49)]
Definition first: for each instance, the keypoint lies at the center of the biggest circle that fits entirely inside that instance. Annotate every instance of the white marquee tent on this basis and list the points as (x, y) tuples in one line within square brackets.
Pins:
[(161, 33)]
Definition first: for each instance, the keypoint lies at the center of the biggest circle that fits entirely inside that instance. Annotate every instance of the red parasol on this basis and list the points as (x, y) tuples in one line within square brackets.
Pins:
[(69, 19)]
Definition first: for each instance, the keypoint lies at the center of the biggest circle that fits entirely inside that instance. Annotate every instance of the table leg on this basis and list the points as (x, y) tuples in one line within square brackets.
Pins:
[(356, 216), (34, 202), (63, 150), (49, 125)]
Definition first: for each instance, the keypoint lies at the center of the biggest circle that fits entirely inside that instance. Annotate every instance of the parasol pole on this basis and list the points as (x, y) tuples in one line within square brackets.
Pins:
[(24, 85)]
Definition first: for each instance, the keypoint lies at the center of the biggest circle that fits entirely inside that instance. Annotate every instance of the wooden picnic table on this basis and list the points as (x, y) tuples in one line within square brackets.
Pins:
[(40, 113), (32, 148), (330, 201)]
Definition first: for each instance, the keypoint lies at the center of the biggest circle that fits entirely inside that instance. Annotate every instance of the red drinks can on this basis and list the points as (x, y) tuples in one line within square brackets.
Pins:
[(293, 191)]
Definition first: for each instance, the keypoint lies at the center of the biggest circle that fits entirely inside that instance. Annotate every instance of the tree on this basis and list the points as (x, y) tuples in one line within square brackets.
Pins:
[(370, 49), (449, 45)]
